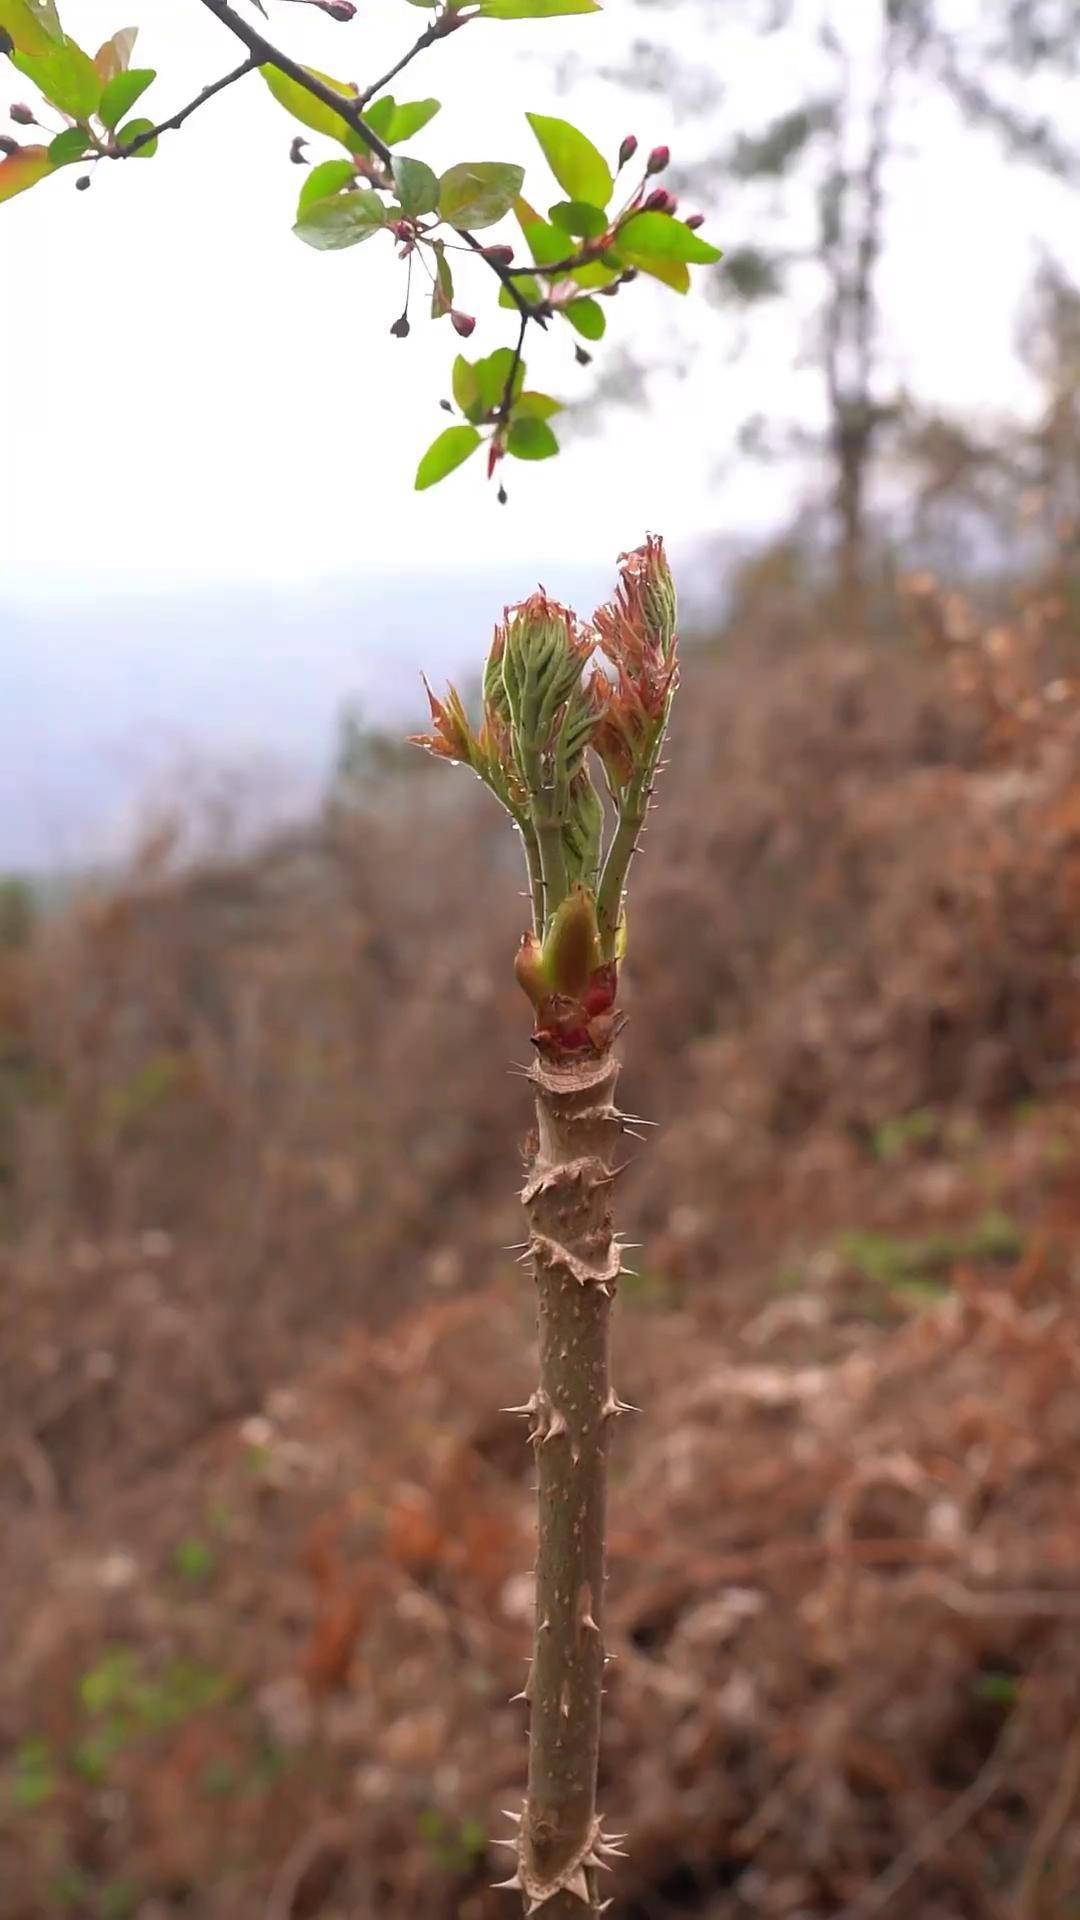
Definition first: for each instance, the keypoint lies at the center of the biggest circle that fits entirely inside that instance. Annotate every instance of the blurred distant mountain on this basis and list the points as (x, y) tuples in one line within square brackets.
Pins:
[(106, 703)]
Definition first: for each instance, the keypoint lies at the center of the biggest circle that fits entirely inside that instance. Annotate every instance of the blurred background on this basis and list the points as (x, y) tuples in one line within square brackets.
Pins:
[(267, 1539)]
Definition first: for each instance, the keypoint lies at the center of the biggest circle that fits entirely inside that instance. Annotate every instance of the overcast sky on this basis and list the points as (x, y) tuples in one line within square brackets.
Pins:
[(191, 393), (191, 398)]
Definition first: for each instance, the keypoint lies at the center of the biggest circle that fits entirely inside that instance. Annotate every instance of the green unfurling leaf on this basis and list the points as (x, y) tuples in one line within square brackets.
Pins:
[(328, 178), (394, 121), (341, 220), (534, 9), (531, 439), (478, 193), (121, 92), (417, 187), (588, 317), (579, 218), (65, 75), (113, 57), (453, 446), (466, 388), (23, 169), (661, 237), (134, 130), (492, 375), (442, 293), (311, 112), (581, 171), (33, 28)]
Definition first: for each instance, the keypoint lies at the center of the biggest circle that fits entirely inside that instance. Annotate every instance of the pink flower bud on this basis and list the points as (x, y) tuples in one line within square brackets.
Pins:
[(22, 116), (661, 201), (628, 149), (499, 256), (400, 328), (695, 220), (462, 323), (7, 145), (658, 160), (583, 359)]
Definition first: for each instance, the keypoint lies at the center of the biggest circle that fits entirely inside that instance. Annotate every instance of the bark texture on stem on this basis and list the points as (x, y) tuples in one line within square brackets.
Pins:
[(576, 1262)]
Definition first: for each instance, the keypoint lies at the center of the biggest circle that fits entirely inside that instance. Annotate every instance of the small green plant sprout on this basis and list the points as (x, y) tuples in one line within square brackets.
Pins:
[(562, 701), (363, 187)]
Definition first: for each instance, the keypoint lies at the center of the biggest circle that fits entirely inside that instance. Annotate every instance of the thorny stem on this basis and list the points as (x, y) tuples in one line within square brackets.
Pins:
[(576, 1262)]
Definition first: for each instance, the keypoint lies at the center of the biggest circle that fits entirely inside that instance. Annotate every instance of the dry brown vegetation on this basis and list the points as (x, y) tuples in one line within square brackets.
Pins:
[(266, 1533)]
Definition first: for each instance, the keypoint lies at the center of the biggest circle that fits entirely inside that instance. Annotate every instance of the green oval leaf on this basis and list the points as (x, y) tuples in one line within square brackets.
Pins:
[(121, 92), (408, 118), (68, 146), (23, 169), (341, 221), (534, 9), (309, 111), (327, 178), (581, 171), (531, 439), (588, 317), (417, 187), (442, 292), (134, 130), (578, 218), (662, 237), (65, 75), (528, 288), (478, 193), (444, 454), (673, 273), (34, 29), (536, 406)]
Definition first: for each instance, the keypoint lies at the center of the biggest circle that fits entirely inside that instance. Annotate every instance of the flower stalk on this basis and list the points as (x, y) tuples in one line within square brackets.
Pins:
[(560, 698)]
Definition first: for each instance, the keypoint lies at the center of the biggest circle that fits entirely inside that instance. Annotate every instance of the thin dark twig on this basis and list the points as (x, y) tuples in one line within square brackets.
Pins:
[(347, 105), (437, 31), (268, 55), (507, 400), (167, 126)]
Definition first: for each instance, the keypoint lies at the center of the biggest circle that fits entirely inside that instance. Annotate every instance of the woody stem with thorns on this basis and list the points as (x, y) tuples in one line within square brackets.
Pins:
[(560, 697)]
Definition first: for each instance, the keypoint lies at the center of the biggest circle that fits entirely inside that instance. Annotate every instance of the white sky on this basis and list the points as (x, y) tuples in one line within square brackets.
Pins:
[(191, 394)]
